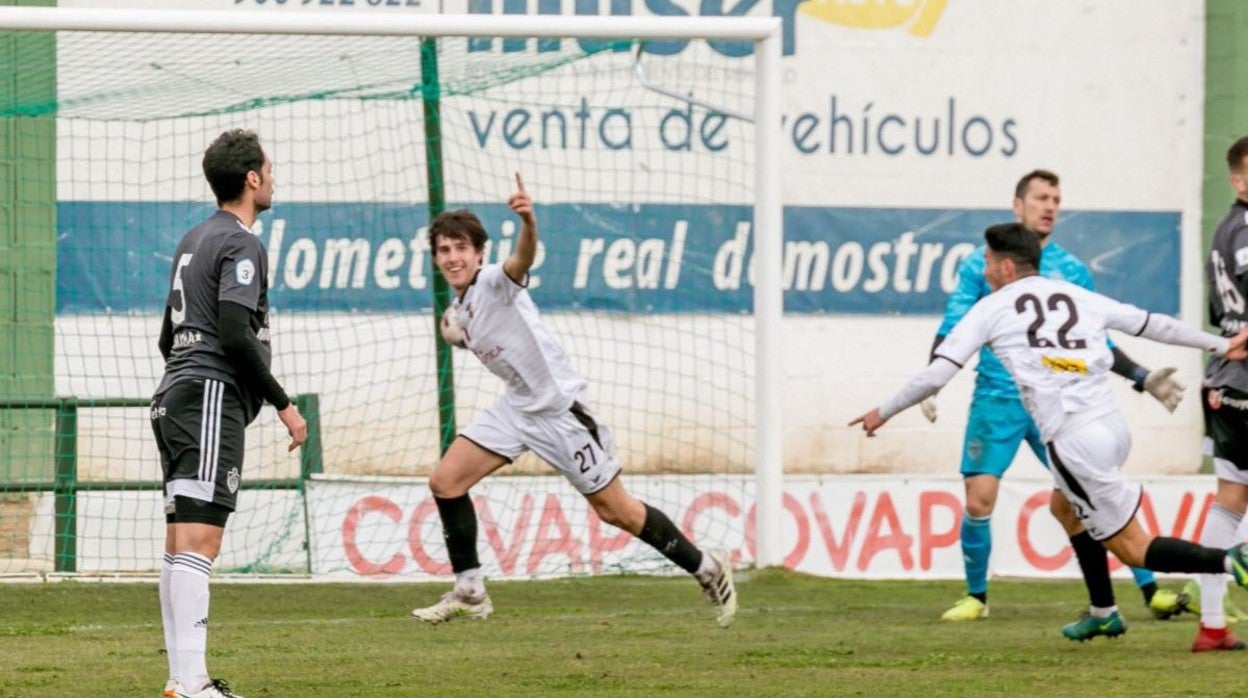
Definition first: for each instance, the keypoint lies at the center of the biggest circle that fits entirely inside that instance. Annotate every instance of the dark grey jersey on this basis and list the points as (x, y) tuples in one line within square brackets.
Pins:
[(1226, 272), (217, 260)]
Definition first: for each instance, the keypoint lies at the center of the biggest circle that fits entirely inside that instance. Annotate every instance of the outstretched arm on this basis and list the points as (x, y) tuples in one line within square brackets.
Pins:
[(521, 260), (1163, 328), (923, 385)]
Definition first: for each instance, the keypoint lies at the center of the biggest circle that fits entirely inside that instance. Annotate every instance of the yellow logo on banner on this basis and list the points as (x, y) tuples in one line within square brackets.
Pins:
[(1060, 365), (878, 14)]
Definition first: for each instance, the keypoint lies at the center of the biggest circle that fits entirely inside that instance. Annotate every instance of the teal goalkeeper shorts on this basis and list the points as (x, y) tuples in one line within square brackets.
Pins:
[(995, 428)]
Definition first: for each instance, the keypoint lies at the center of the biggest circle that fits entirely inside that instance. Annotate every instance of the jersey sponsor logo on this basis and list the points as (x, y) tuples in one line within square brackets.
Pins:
[(245, 272), (157, 412), (186, 338), (232, 480), (1241, 257), (1059, 364)]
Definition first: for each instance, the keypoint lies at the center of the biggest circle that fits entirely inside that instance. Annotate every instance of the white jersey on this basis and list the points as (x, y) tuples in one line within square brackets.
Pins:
[(1050, 336), (502, 327)]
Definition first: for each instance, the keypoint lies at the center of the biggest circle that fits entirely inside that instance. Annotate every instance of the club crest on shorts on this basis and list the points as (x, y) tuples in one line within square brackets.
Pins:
[(232, 479)]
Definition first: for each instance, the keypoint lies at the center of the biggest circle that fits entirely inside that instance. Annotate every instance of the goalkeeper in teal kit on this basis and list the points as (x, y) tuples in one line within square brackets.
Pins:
[(998, 424)]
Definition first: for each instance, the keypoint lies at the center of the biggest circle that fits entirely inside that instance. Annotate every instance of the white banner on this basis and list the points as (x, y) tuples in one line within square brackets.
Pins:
[(872, 527)]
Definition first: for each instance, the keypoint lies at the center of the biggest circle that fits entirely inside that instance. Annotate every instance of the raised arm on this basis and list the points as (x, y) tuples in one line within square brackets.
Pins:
[(521, 260)]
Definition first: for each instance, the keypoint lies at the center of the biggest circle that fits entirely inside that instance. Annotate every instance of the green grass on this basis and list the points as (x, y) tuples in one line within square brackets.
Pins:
[(604, 636)]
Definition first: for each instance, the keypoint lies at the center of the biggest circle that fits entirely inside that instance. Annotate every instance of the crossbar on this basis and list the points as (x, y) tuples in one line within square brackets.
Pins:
[(517, 26)]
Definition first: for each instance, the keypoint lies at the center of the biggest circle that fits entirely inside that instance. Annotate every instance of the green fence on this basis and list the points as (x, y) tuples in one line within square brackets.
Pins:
[(65, 483)]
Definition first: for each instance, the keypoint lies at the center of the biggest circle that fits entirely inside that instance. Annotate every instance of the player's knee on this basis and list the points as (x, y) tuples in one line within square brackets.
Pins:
[(444, 485), (622, 517), (1130, 554), (1061, 510), (980, 506), (611, 516)]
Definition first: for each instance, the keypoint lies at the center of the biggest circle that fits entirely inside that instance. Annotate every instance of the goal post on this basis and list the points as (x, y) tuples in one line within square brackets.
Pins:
[(105, 353)]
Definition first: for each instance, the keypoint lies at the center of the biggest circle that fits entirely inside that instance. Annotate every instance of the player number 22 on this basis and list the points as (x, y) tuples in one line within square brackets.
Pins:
[(1056, 301)]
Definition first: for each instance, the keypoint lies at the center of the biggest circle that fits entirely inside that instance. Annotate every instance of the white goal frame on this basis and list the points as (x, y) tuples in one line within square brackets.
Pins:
[(763, 32)]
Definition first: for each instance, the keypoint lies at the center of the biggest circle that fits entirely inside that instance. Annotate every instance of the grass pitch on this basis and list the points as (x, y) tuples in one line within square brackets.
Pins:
[(607, 636)]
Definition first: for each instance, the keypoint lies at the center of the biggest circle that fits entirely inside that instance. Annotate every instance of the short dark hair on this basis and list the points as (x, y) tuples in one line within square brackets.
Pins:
[(461, 224), (1020, 189), (228, 160), (1235, 155), (1013, 241)]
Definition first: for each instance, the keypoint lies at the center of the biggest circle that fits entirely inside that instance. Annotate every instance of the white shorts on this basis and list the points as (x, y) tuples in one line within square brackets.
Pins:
[(572, 441), (1086, 465), (1223, 468)]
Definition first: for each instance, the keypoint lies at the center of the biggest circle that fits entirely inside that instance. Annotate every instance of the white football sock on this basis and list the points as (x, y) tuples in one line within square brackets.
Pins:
[(707, 569), (471, 581), (188, 585), (1102, 613), (1219, 532), (166, 614)]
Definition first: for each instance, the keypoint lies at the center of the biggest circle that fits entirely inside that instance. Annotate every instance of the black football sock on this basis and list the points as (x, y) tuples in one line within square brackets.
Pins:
[(1175, 555), (661, 534), (459, 529), (1094, 564)]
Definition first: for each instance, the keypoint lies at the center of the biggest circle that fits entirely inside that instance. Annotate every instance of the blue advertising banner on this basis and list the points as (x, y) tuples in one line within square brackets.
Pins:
[(651, 258)]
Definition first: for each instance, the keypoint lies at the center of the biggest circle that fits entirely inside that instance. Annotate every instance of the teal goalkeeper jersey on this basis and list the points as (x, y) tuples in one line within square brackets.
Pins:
[(991, 379)]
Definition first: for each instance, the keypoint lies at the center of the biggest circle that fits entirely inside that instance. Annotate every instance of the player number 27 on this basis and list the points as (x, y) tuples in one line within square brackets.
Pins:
[(1056, 302), (585, 457)]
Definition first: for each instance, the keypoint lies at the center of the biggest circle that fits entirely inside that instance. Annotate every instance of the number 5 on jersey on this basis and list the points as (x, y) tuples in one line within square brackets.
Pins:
[(177, 313)]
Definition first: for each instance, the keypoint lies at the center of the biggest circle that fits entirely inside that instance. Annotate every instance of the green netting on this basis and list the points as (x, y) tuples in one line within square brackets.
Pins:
[(638, 194)]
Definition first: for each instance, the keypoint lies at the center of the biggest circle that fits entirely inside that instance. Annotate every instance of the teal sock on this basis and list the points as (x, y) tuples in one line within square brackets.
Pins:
[(1143, 577), (976, 548)]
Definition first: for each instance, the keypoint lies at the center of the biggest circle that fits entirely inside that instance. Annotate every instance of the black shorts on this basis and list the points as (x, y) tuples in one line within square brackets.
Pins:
[(1226, 424), (199, 427)]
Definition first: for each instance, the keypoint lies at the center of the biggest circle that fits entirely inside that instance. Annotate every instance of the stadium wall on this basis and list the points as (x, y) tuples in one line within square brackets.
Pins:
[(906, 126)]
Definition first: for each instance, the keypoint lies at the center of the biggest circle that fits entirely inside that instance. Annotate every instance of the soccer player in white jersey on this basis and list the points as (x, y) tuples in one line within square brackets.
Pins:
[(998, 424), (543, 409), (1050, 335)]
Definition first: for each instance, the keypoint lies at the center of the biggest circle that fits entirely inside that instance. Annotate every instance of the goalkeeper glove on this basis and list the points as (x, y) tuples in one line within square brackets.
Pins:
[(928, 406), (1162, 385)]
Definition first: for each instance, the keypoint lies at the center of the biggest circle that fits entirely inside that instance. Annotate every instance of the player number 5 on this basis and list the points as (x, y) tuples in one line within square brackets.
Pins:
[(178, 312)]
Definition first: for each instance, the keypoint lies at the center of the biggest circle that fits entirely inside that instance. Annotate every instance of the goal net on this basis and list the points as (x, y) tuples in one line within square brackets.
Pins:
[(640, 155)]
